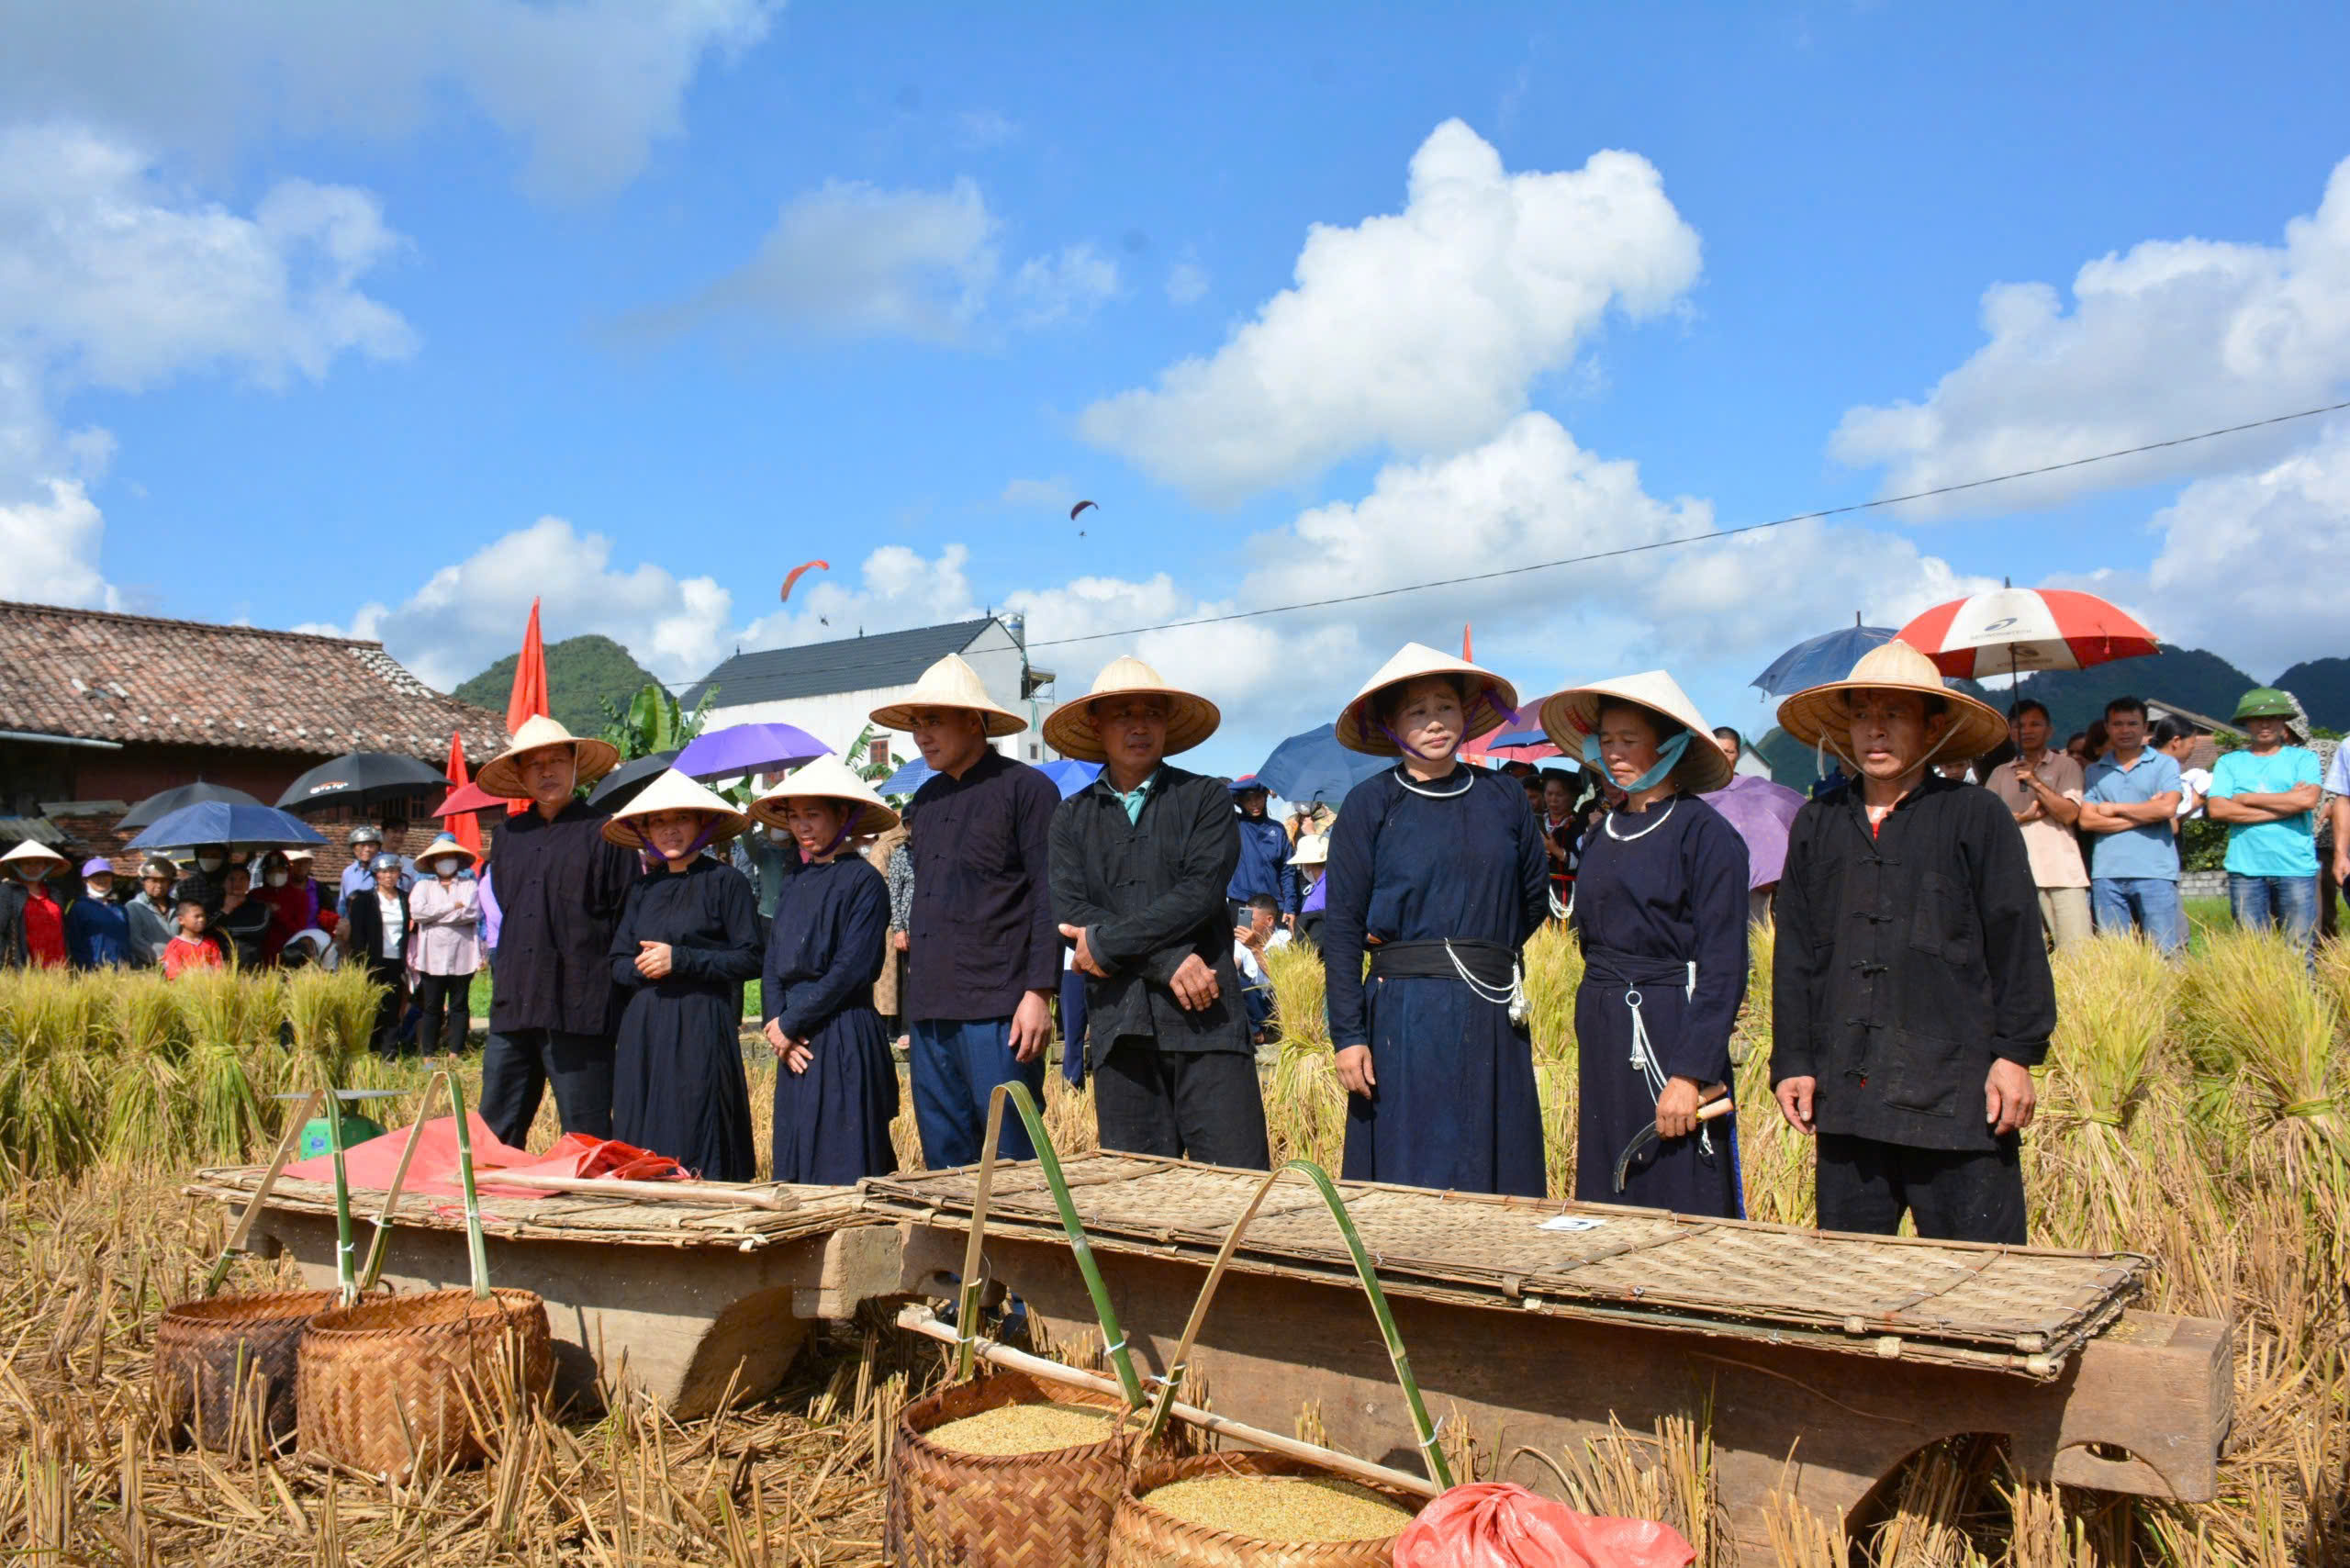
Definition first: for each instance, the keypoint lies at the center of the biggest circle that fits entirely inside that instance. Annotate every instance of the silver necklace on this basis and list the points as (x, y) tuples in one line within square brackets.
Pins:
[(1403, 777), (1662, 817)]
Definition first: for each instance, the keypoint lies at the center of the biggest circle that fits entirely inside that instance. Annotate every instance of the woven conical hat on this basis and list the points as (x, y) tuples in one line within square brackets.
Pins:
[(1818, 715), (29, 851), (673, 792), (498, 776), (1191, 718), (1492, 699), (949, 683), (442, 846), (1568, 716), (828, 778)]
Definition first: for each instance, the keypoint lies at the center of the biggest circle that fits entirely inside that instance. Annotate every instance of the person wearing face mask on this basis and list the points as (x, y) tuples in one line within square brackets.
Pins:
[(1660, 914), (32, 920), (446, 948), (203, 880), (1436, 871), (244, 920), (836, 1087), (686, 941), (376, 932), (287, 900), (97, 931)]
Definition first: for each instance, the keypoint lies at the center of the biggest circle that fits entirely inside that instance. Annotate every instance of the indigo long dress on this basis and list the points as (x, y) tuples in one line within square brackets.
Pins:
[(1658, 891), (832, 1121), (1454, 1106), (678, 1081)]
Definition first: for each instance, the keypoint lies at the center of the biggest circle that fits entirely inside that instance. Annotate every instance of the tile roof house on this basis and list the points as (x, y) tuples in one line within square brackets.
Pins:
[(99, 710), (829, 689)]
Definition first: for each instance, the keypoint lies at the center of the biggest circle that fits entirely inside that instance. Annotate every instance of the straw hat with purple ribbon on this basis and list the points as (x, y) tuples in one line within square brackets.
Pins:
[(828, 778), (673, 792), (1491, 702)]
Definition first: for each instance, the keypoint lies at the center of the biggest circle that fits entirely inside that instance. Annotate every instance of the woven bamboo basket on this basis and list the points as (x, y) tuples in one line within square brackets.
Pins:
[(212, 1357), (1143, 1537), (400, 1387), (1028, 1510)]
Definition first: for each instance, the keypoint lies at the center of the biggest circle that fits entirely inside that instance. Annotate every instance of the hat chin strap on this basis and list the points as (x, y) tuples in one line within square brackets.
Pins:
[(1948, 732)]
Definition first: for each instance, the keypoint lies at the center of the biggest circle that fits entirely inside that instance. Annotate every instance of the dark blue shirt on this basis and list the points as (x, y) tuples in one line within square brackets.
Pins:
[(98, 933), (1264, 864), (981, 930)]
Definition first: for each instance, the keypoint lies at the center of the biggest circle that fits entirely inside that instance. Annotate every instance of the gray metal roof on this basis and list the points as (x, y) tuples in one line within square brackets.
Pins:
[(820, 669)]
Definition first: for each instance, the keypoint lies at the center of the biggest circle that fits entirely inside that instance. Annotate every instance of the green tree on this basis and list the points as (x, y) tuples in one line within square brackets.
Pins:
[(652, 721)]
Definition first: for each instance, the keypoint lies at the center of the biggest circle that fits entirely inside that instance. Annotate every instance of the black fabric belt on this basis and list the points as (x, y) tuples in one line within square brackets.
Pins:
[(1612, 966), (1490, 962)]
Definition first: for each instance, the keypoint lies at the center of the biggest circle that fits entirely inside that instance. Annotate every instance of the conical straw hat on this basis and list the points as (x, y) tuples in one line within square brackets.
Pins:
[(1568, 716), (1819, 716), (1191, 718), (29, 851), (673, 792), (498, 776), (442, 846), (949, 683), (1492, 699), (828, 778)]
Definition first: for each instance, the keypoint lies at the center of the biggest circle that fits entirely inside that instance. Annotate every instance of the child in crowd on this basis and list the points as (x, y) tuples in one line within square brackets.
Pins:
[(189, 950)]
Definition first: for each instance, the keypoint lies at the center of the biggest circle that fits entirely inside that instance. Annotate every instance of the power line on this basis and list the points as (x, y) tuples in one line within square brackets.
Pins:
[(1655, 545)]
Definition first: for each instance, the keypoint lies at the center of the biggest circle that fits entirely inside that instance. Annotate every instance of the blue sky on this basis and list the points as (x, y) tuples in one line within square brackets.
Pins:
[(323, 315)]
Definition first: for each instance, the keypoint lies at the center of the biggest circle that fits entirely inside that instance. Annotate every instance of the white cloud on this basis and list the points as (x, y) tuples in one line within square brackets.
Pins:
[(1186, 281), (1068, 287), (111, 277), (2170, 339), (851, 259), (588, 86), (469, 615), (1424, 332), (2250, 565)]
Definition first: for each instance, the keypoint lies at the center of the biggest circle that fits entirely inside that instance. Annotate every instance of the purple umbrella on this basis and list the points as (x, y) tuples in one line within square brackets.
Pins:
[(748, 748), (1761, 812)]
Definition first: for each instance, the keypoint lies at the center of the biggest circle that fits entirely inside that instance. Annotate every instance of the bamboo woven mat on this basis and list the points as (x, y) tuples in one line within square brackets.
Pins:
[(561, 1216), (2019, 1310)]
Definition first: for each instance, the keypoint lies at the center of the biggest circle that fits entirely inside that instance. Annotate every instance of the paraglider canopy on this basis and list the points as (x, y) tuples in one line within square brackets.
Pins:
[(1081, 506), (793, 576)]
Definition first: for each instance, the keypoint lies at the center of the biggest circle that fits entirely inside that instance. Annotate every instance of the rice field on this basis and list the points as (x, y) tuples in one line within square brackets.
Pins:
[(2199, 1114)]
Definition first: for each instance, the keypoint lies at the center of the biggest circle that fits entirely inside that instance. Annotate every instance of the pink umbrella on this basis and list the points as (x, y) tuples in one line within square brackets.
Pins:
[(470, 798), (2010, 630)]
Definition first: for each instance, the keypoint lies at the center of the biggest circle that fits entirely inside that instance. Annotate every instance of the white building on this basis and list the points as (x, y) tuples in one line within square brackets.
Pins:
[(830, 689)]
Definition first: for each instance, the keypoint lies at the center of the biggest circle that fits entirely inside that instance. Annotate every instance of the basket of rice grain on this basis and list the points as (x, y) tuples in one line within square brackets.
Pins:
[(1255, 1510), (230, 1361), (1001, 1472)]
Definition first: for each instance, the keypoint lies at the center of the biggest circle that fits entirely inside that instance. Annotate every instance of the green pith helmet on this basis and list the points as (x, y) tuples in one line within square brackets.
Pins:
[(2265, 702)]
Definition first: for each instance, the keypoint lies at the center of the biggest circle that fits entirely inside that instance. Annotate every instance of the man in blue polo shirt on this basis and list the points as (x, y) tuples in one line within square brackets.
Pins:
[(2132, 794)]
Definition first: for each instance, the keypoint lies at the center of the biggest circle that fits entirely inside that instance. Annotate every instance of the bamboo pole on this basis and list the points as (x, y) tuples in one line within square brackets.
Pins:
[(921, 1320), (716, 1194)]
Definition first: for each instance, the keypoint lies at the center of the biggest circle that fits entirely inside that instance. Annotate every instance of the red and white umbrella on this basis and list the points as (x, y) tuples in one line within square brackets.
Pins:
[(2013, 631)]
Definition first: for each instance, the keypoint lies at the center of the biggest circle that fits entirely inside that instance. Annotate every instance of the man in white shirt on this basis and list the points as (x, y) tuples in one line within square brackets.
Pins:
[(2043, 789), (1250, 943)]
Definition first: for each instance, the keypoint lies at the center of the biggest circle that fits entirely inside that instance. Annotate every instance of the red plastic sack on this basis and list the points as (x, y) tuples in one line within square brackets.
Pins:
[(434, 1169), (1492, 1524)]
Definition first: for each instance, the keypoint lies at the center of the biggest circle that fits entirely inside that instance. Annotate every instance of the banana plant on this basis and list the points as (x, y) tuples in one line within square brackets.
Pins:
[(654, 721)]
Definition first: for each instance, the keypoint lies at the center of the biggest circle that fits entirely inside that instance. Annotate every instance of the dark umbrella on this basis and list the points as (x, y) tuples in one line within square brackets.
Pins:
[(1816, 661), (221, 822), (1315, 766), (624, 783), (164, 802), (362, 779)]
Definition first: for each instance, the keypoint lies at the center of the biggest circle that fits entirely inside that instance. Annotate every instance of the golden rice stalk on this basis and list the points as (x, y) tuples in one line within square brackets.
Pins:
[(1751, 1040), (1665, 1474), (1068, 1116), (1556, 1086), (227, 1122), (2099, 1084), (145, 1113), (1553, 973), (349, 999), (2247, 1000), (1306, 1108), (313, 1002), (1300, 1003)]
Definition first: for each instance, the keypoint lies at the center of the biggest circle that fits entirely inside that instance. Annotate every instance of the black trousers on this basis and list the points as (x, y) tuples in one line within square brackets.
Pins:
[(1203, 1105), (447, 1001), (1952, 1194), (518, 1066), (392, 975)]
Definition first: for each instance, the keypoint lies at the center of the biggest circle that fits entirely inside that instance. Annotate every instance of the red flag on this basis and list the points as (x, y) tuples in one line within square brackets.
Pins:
[(529, 698), (1468, 653), (465, 827)]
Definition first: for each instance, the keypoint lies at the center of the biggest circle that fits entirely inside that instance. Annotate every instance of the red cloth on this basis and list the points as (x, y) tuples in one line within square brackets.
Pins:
[(1492, 1524), (183, 953), (434, 1169), (289, 908), (44, 929)]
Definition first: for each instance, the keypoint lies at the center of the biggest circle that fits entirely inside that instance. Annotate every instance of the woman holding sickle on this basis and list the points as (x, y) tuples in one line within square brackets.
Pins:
[(1661, 912), (1437, 870)]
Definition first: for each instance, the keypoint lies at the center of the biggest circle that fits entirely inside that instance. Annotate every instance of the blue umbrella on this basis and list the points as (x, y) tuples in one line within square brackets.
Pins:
[(225, 822), (911, 775), (1068, 775), (1315, 766), (1820, 660)]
